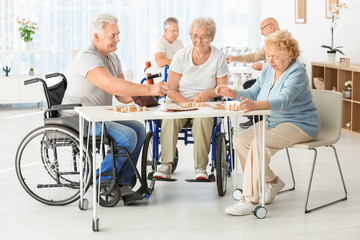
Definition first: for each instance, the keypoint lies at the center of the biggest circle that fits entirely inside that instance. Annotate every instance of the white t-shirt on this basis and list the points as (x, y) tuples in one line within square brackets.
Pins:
[(169, 49), (82, 90), (196, 79)]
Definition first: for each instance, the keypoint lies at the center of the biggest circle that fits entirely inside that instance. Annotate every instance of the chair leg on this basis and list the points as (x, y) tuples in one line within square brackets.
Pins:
[(292, 174), (311, 176)]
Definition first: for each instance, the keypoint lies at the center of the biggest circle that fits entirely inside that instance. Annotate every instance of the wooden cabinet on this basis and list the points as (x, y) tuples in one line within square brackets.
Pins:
[(335, 76)]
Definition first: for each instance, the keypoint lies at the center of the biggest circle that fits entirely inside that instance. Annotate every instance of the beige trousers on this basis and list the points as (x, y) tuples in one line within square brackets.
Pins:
[(201, 131), (282, 136)]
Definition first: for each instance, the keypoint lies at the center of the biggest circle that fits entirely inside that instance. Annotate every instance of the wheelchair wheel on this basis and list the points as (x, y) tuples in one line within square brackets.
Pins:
[(221, 164), (110, 194), (148, 164), (47, 165)]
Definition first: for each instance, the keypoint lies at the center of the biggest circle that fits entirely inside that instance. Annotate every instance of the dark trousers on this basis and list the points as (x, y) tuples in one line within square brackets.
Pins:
[(247, 85)]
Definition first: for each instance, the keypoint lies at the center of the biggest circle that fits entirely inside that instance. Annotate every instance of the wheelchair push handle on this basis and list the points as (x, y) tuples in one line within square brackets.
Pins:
[(51, 75), (33, 80), (153, 76)]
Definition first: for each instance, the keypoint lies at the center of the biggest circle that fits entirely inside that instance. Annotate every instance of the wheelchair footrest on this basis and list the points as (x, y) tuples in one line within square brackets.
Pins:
[(165, 179), (199, 180), (136, 196)]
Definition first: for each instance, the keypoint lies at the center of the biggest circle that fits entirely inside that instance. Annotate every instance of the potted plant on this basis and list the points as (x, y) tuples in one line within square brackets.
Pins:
[(334, 17), (27, 30), (347, 91), (31, 72)]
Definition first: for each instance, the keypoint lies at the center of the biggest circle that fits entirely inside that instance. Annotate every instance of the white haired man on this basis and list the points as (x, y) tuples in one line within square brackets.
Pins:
[(96, 75)]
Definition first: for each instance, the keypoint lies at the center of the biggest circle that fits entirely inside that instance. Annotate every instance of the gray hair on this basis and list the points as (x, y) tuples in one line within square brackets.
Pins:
[(204, 22), (97, 24), (170, 20)]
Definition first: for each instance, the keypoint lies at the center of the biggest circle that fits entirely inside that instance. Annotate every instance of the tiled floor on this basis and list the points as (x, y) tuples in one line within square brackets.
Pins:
[(181, 210)]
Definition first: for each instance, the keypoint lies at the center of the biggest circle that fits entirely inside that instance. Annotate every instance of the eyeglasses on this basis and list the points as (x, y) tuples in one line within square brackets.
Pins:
[(265, 26), (203, 39)]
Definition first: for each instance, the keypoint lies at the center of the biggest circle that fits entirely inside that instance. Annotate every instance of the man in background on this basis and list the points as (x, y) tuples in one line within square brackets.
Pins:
[(267, 27)]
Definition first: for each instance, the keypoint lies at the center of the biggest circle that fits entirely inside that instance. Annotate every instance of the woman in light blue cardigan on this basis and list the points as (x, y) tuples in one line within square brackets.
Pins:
[(284, 88)]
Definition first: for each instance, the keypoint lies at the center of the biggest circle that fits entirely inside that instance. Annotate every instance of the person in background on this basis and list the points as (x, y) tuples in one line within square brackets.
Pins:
[(95, 76), (267, 27), (168, 44), (284, 88), (194, 73)]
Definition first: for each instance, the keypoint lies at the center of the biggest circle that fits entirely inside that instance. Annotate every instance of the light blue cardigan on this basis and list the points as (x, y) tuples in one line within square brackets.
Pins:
[(290, 99)]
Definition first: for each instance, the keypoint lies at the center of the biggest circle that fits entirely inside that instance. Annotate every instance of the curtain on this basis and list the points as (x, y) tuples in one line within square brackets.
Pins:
[(64, 26)]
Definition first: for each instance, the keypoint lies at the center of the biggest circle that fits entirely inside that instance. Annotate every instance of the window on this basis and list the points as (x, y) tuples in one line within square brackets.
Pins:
[(64, 26)]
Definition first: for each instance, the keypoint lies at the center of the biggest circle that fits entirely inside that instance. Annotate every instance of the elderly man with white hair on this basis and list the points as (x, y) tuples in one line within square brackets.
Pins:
[(96, 75)]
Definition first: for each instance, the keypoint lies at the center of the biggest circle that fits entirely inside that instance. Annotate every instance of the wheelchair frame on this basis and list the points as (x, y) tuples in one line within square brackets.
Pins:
[(221, 150), (61, 131)]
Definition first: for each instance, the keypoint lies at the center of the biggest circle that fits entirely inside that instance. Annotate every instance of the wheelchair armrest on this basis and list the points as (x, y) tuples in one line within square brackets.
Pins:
[(57, 108), (64, 107)]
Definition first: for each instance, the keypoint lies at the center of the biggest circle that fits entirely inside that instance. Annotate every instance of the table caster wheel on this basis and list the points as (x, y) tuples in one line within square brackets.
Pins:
[(84, 204), (95, 225), (260, 212), (237, 194)]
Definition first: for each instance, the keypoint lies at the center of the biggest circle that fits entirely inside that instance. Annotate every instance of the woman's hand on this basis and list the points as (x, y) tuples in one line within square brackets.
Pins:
[(247, 105), (200, 97), (226, 91)]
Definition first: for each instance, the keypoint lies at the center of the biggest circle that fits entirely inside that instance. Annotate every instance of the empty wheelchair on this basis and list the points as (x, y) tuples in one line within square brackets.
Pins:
[(48, 158)]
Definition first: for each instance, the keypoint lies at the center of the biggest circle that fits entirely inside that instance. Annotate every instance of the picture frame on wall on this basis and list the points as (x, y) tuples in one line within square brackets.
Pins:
[(300, 11), (328, 4)]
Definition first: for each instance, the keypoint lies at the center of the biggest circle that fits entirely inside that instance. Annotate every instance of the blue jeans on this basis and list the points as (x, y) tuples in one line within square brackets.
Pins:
[(127, 134)]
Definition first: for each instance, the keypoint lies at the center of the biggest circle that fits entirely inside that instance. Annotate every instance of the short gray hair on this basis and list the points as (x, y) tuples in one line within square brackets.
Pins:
[(170, 20), (97, 24), (207, 22)]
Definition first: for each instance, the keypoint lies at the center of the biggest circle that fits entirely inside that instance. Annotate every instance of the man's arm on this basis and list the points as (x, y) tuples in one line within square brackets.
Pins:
[(121, 98), (102, 78), (161, 60), (248, 58)]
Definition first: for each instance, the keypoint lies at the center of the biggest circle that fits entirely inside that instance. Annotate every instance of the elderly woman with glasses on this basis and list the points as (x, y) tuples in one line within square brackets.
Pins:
[(194, 73), (284, 88)]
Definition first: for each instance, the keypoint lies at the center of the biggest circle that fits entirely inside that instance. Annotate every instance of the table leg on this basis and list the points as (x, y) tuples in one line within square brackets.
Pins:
[(95, 223)]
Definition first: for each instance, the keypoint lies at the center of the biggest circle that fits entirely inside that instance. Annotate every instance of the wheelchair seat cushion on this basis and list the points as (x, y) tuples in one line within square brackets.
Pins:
[(71, 122)]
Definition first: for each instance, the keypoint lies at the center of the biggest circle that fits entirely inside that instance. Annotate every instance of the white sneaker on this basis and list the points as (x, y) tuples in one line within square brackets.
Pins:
[(201, 174), (164, 171), (272, 189), (243, 207)]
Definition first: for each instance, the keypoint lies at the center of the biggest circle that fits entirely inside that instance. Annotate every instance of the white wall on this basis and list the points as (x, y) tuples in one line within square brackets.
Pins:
[(316, 31)]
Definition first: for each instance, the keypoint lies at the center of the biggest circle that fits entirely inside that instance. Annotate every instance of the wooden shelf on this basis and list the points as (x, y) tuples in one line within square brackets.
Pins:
[(335, 76)]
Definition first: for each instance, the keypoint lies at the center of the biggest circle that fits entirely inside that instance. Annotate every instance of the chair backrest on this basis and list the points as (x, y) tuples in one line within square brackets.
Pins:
[(56, 92), (329, 105)]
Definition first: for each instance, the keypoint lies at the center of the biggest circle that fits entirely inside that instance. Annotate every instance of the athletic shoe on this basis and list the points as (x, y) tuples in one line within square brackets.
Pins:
[(241, 208), (201, 174), (164, 171), (126, 190), (272, 189), (246, 125)]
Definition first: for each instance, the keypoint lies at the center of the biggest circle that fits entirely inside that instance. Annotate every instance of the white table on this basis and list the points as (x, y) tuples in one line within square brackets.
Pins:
[(238, 71), (101, 114)]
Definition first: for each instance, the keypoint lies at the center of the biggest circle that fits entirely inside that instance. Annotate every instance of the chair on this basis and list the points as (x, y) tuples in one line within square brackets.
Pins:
[(329, 106)]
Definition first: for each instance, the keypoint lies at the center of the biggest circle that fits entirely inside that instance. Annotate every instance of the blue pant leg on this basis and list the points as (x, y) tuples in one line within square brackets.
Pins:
[(123, 136), (127, 171)]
